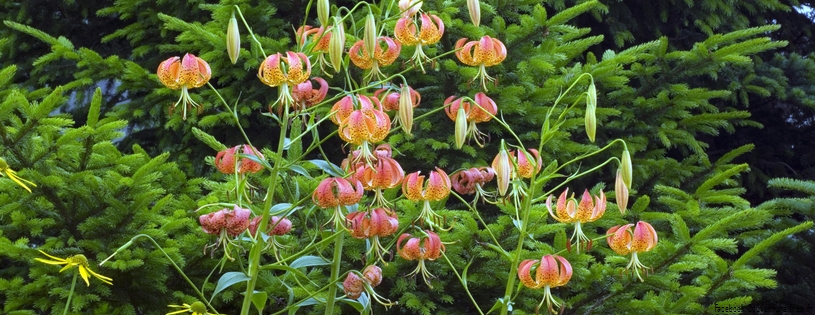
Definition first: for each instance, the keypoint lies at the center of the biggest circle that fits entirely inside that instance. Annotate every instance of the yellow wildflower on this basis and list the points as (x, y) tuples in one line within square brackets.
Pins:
[(75, 260), (10, 173)]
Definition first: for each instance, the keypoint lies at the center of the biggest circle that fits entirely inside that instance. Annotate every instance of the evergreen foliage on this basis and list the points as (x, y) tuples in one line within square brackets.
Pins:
[(674, 94)]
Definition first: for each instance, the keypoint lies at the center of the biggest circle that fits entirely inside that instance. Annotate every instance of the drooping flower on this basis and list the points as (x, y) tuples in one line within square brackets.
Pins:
[(624, 241), (306, 96), (276, 226), (471, 180), (184, 73), (371, 277), (552, 271), (436, 188), (425, 247), (80, 262), (317, 40), (228, 162), (226, 224), (483, 53), (528, 163), (10, 173), (343, 108), (382, 56), (569, 211), (378, 174), (479, 109), (196, 308), (364, 126), (297, 69), (409, 33), (372, 225), (336, 193)]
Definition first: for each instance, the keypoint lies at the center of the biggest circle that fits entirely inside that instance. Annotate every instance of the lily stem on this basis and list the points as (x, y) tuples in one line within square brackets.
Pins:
[(335, 273)]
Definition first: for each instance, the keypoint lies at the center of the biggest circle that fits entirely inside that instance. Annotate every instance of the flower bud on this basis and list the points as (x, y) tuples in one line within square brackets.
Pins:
[(621, 191), (503, 170), (369, 35), (322, 11), (406, 109), (591, 96), (233, 39), (474, 6), (337, 44), (373, 275), (461, 127), (591, 122), (627, 169)]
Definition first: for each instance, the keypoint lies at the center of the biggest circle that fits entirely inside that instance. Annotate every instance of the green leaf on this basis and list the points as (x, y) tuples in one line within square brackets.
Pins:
[(93, 111), (328, 167), (229, 279), (259, 299), (309, 261)]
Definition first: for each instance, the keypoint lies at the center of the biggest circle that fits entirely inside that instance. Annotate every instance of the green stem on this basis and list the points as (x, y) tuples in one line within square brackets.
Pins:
[(335, 273), (70, 294), (464, 283), (256, 251)]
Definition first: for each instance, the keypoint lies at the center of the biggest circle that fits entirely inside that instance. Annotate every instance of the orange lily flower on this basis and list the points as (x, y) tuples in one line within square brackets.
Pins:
[(436, 188), (568, 211), (297, 70), (624, 241), (381, 57), (552, 271), (486, 52), (429, 33), (372, 225), (480, 108), (427, 247), (184, 73)]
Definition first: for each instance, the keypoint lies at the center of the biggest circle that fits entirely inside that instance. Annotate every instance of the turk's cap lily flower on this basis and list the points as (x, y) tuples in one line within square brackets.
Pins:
[(436, 188), (226, 161), (430, 32), (526, 167), (305, 95), (343, 108), (382, 56), (428, 247), (10, 173), (373, 275), (320, 35), (296, 65), (337, 191), (481, 109), (486, 52), (465, 181), (365, 125), (378, 222), (353, 285), (390, 99), (624, 241), (384, 173), (552, 271), (80, 262), (184, 73), (276, 225), (568, 210)]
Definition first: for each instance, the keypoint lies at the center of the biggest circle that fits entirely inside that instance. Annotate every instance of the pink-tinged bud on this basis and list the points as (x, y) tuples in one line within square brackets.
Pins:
[(409, 8), (503, 170), (373, 275), (627, 168), (474, 6), (337, 45), (233, 39), (621, 192)]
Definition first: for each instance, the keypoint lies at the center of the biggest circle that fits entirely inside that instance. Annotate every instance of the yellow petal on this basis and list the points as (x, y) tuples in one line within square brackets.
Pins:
[(68, 266), (83, 272), (104, 279), (50, 262)]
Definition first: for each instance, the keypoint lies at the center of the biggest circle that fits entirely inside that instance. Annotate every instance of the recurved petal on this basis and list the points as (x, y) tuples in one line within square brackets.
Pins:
[(645, 237), (438, 186), (168, 72), (547, 273), (619, 239), (525, 275), (405, 31), (412, 186), (432, 29), (565, 273), (270, 72)]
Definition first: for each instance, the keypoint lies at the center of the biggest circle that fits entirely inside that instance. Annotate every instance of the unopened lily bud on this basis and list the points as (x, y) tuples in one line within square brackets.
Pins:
[(406, 109), (369, 35), (621, 191), (373, 275), (322, 12), (474, 6), (337, 44), (503, 170), (233, 39), (409, 8), (461, 127), (591, 122), (627, 169), (591, 95)]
